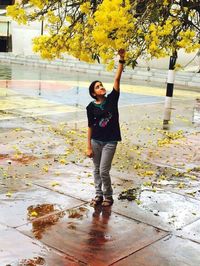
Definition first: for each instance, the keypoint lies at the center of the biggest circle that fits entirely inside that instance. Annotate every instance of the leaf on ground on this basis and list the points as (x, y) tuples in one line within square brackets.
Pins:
[(46, 169), (53, 184), (8, 194), (181, 185), (147, 184)]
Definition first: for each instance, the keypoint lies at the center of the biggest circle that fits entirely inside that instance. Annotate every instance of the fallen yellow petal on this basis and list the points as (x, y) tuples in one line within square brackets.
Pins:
[(34, 214), (53, 184)]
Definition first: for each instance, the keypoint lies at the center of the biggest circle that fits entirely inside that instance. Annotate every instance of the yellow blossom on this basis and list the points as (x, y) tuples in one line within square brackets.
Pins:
[(33, 214)]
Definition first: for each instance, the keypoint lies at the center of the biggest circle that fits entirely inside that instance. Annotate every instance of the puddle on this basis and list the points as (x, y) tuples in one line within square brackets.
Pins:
[(24, 159), (39, 226), (40, 210), (4, 156), (36, 261), (77, 213)]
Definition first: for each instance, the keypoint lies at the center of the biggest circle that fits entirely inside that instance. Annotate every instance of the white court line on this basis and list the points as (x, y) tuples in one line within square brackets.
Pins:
[(132, 105)]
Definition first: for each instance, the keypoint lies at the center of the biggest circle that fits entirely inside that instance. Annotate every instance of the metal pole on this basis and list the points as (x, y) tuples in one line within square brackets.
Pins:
[(8, 35), (42, 27), (198, 56), (170, 87)]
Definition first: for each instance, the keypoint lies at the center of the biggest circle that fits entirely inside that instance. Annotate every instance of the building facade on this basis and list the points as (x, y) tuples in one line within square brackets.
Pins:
[(5, 27)]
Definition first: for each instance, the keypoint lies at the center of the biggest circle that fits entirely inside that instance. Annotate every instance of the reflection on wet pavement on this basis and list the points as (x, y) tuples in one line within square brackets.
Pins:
[(40, 210), (39, 226), (32, 262), (95, 237)]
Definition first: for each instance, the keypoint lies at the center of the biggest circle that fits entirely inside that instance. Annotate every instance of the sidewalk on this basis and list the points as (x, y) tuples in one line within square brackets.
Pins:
[(46, 186)]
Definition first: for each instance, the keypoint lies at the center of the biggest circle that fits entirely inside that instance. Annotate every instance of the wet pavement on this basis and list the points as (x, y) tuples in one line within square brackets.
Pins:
[(46, 180)]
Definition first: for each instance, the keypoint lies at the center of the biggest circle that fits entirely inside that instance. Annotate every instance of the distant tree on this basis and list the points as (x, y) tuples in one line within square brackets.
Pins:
[(95, 30)]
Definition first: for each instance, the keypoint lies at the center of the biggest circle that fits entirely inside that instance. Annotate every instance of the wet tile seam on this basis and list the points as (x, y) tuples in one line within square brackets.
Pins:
[(36, 219), (188, 224), (45, 107), (138, 221), (157, 240), (62, 193), (183, 195), (187, 238), (166, 166), (182, 170), (45, 216)]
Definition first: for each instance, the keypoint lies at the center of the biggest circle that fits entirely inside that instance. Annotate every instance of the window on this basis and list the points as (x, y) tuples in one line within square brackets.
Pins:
[(5, 3)]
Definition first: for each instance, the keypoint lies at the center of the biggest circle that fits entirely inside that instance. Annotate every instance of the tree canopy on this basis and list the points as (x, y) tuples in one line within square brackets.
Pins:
[(97, 29)]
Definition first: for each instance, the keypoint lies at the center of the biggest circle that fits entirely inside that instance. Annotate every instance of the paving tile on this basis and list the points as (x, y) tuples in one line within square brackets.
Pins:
[(191, 231), (17, 122), (169, 251), (12, 185), (179, 155), (18, 249), (73, 180), (18, 208), (29, 142), (76, 119), (96, 237), (162, 209), (77, 181), (181, 185)]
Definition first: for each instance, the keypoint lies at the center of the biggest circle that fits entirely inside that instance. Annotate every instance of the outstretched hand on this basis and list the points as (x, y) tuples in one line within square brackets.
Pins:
[(121, 53)]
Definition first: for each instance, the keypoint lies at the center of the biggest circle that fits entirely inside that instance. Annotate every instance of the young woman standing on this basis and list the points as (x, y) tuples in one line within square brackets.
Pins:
[(104, 133)]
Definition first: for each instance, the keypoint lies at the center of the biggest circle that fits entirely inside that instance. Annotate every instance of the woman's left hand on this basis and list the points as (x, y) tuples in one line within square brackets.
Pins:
[(121, 53)]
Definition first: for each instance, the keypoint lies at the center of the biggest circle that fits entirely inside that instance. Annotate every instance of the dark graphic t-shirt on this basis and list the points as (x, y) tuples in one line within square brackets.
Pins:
[(104, 118)]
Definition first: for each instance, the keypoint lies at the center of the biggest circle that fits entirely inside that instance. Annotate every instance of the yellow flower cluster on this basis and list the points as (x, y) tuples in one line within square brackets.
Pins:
[(169, 137), (113, 24), (52, 18), (166, 2), (156, 35), (90, 34), (187, 40), (102, 34), (85, 7), (17, 13), (38, 3)]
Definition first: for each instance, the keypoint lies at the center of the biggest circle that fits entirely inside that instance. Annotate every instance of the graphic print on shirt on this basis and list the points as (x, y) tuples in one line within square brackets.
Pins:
[(104, 121)]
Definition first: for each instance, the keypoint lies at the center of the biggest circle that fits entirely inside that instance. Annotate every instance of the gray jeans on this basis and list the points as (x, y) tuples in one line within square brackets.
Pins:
[(103, 154)]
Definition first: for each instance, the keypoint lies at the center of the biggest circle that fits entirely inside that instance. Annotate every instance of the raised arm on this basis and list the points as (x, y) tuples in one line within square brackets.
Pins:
[(119, 70)]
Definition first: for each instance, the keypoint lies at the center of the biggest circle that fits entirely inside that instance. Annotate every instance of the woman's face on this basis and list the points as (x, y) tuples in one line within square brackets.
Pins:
[(99, 90)]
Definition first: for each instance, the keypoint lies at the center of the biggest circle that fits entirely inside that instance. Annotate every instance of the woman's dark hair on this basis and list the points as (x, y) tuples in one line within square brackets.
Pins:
[(91, 88)]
